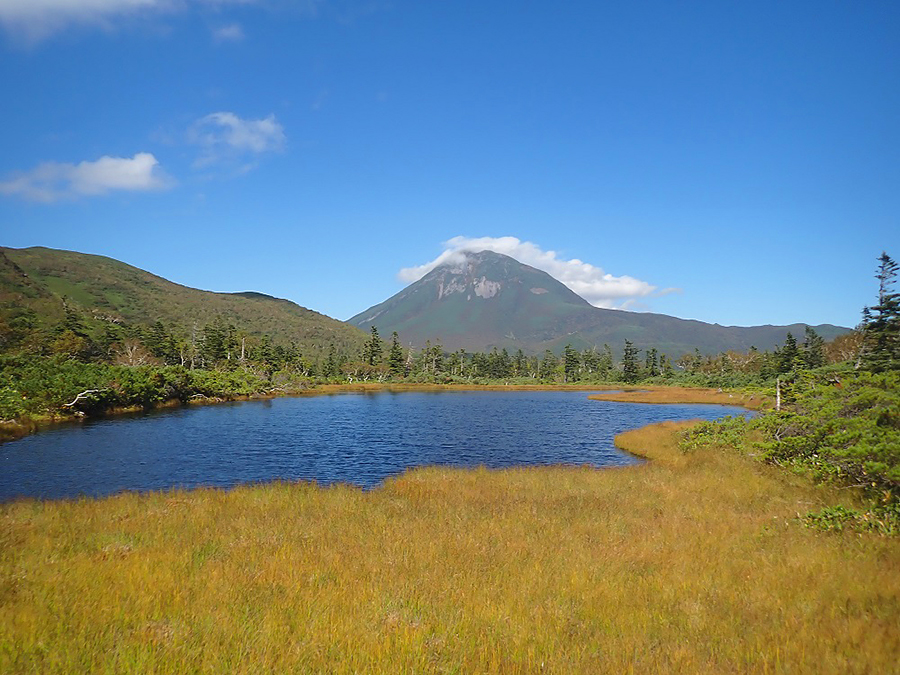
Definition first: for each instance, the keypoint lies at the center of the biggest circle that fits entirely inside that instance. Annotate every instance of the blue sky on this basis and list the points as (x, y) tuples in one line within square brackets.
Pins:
[(737, 163)]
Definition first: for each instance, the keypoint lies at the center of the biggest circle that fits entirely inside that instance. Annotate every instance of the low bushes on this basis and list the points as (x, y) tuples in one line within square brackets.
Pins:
[(37, 386), (844, 430)]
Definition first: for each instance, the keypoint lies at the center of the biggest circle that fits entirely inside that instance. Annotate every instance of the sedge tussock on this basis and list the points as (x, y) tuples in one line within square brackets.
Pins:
[(687, 563)]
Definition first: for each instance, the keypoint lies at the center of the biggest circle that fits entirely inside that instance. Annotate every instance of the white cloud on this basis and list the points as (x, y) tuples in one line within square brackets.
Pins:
[(233, 32), (591, 283), (53, 181), (225, 137), (34, 20)]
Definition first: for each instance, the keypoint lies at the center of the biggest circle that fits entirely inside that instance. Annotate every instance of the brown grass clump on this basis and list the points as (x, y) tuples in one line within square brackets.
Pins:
[(687, 564), (655, 394)]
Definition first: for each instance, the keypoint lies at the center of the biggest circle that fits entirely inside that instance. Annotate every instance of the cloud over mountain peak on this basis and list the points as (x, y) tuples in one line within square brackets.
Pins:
[(591, 282)]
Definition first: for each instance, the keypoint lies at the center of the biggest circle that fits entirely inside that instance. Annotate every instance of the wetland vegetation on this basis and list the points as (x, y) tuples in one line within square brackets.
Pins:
[(741, 546), (693, 562)]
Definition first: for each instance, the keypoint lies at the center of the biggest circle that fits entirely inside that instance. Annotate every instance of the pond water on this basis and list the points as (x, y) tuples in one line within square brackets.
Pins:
[(353, 438)]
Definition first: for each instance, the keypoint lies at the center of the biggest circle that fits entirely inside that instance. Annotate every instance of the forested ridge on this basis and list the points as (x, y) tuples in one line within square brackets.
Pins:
[(108, 303)]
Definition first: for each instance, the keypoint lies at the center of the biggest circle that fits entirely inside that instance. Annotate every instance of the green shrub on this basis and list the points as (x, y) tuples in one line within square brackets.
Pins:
[(48, 386), (842, 429)]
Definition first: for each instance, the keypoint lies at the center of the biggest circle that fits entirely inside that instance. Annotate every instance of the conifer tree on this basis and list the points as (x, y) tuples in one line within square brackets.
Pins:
[(70, 337), (651, 363), (372, 350), (462, 361), (73, 322), (813, 349), (590, 361), (630, 370), (570, 364), (502, 365), (881, 323), (520, 364), (788, 355), (548, 365), (605, 363), (436, 358), (267, 355), (665, 365), (212, 343), (330, 368), (112, 334), (396, 359)]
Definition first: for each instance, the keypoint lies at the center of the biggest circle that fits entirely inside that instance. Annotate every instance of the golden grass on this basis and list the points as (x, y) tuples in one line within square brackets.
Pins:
[(687, 564), (657, 394)]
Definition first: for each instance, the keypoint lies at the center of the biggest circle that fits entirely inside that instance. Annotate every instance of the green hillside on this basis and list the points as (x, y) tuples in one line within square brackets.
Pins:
[(491, 300), (36, 283)]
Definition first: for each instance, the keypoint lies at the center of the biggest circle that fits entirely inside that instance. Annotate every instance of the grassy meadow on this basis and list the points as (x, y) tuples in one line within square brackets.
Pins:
[(689, 563)]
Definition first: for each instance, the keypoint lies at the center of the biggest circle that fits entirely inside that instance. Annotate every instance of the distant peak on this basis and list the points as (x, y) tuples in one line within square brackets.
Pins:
[(477, 258)]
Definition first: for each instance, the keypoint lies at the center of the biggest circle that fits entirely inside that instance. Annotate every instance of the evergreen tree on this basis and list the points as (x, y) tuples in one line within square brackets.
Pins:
[(499, 364), (479, 364), (533, 366), (548, 365), (651, 363), (520, 364), (70, 337), (462, 362), (112, 334), (267, 356), (435, 356), (73, 322), (665, 365), (504, 364), (881, 323), (212, 343), (590, 361), (788, 355), (813, 353), (372, 350), (571, 363), (161, 343), (605, 364), (331, 367), (396, 359), (280, 357), (630, 370), (230, 344)]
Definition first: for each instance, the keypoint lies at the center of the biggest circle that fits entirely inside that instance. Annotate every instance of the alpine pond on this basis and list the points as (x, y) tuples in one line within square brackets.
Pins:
[(354, 438)]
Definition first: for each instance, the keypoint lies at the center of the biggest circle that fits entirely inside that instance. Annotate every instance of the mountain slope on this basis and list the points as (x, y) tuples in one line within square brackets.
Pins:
[(38, 279), (483, 299), (491, 300)]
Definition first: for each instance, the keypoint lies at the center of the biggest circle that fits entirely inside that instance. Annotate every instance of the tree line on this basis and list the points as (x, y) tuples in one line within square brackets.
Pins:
[(220, 359), (220, 346)]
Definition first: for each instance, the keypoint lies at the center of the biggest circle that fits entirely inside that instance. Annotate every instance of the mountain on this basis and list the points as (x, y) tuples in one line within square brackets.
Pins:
[(488, 300), (38, 280)]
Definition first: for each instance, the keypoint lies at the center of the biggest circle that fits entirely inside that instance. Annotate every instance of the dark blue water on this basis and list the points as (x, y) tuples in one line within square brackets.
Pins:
[(354, 438)]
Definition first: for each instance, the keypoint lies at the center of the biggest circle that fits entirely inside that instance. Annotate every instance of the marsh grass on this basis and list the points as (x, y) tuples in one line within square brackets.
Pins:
[(689, 563), (666, 395)]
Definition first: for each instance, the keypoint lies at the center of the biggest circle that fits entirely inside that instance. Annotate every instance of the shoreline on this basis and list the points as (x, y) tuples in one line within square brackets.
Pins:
[(653, 394), (675, 565), (19, 428), (668, 395)]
